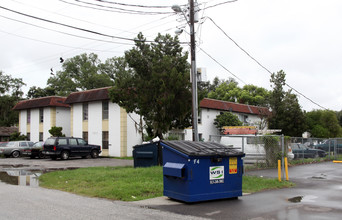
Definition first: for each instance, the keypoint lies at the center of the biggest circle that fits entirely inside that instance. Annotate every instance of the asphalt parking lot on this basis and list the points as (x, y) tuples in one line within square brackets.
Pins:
[(71, 163)]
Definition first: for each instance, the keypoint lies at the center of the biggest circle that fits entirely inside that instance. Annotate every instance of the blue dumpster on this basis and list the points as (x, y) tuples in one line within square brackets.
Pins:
[(146, 155), (200, 171)]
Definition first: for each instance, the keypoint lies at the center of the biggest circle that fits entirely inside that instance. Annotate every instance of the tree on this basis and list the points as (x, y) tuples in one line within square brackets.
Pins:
[(287, 114), (231, 92), (37, 92), (56, 131), (323, 124), (82, 72), (226, 119), (10, 94), (17, 136), (156, 85)]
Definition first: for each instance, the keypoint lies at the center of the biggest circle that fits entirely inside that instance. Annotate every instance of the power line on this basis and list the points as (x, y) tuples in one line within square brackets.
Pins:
[(110, 8), (52, 43), (69, 26), (61, 32), (70, 17), (222, 3), (222, 66), (255, 60), (133, 5)]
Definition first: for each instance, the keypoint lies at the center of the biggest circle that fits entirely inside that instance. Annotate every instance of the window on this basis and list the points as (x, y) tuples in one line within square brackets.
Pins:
[(28, 135), (40, 136), (62, 141), (199, 116), (28, 113), (105, 140), (85, 135), (41, 115), (105, 110), (81, 142), (23, 144), (85, 111), (245, 119), (72, 141)]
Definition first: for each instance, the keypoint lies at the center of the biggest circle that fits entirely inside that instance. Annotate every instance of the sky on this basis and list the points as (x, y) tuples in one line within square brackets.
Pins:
[(301, 37)]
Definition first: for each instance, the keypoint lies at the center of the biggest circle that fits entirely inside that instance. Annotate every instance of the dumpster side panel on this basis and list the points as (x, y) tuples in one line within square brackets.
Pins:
[(145, 155), (175, 187)]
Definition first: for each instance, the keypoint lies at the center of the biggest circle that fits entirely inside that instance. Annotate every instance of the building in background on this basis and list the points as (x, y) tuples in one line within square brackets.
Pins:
[(37, 116), (95, 118)]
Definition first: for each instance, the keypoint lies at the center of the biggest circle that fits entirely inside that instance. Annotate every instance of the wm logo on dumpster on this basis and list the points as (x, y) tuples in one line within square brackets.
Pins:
[(216, 174)]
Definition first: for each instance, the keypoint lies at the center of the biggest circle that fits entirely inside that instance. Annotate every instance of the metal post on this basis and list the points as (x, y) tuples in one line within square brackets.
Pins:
[(282, 156), (193, 73)]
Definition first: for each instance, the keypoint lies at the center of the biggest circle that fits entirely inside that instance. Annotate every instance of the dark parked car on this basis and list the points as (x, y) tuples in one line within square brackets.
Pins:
[(14, 148), (332, 145), (34, 151), (300, 151), (65, 147)]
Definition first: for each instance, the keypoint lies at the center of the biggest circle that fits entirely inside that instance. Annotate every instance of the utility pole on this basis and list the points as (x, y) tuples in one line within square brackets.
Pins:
[(191, 23), (193, 72)]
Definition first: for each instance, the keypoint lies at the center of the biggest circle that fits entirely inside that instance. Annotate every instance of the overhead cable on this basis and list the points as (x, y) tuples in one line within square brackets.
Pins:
[(255, 60)]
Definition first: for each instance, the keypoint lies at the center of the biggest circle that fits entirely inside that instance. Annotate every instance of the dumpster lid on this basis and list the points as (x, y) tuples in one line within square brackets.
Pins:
[(197, 148)]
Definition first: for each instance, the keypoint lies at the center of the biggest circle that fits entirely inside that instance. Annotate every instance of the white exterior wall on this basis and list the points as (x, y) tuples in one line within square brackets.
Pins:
[(63, 120), (34, 125), (77, 120), (114, 142), (47, 123), (95, 123), (133, 135), (22, 122)]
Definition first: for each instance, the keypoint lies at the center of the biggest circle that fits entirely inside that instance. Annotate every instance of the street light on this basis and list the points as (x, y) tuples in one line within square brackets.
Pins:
[(191, 22)]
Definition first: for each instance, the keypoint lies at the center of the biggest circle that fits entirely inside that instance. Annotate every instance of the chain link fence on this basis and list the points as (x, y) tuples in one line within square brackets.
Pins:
[(266, 150)]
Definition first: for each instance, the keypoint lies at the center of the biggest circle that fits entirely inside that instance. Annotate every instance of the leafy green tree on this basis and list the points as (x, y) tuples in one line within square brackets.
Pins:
[(156, 85), (36, 92), (10, 94), (226, 119), (339, 117), (323, 124), (82, 72), (17, 136), (56, 131), (231, 92), (286, 111)]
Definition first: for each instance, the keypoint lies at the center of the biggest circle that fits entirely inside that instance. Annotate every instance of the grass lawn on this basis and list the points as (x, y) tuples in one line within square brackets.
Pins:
[(129, 184)]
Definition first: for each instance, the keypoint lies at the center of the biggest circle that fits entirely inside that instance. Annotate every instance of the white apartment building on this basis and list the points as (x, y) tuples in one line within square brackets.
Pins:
[(37, 116), (95, 118)]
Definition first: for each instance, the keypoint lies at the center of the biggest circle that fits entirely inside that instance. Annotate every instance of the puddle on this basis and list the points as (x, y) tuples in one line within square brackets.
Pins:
[(320, 177), (308, 198), (20, 177), (296, 199)]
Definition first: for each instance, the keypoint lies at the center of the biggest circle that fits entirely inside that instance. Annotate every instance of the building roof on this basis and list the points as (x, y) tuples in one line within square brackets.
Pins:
[(88, 96), (49, 101), (233, 107), (7, 131)]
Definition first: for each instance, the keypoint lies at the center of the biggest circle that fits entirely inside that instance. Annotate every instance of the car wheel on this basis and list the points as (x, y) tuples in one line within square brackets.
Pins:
[(94, 154), (41, 155), (15, 154), (65, 155)]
